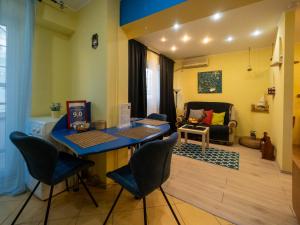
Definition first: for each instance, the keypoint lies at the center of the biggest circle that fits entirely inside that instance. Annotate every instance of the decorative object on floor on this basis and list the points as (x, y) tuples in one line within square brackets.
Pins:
[(210, 82), (176, 96), (55, 110), (152, 122), (90, 138), (253, 134), (250, 142), (267, 148), (77, 113), (138, 132), (211, 155), (95, 41), (249, 69)]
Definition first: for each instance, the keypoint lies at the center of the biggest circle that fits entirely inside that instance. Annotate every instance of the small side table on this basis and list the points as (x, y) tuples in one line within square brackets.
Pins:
[(191, 129)]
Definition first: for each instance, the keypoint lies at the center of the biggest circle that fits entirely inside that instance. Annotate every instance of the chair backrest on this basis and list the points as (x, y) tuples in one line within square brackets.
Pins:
[(40, 155), (156, 116), (150, 164)]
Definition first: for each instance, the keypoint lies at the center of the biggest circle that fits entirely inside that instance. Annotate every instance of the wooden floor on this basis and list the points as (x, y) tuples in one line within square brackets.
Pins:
[(255, 194)]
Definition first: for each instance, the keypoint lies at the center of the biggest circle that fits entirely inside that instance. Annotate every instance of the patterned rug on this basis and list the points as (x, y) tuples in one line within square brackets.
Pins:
[(211, 155)]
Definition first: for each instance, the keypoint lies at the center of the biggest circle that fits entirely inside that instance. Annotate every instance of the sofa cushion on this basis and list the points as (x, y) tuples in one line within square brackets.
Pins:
[(197, 114), (218, 132), (217, 107), (208, 117), (218, 118)]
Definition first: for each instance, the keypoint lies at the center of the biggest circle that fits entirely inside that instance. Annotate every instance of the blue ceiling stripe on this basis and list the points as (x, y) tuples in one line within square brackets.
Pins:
[(132, 10)]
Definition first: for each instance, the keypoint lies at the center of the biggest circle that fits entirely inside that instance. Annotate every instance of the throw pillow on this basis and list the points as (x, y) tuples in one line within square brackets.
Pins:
[(208, 118), (197, 114), (218, 118)]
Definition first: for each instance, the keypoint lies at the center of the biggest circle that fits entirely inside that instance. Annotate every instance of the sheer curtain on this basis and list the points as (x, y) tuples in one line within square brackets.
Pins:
[(17, 22), (153, 82)]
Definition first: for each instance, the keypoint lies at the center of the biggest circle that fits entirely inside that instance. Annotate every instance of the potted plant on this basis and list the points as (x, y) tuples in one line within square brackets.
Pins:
[(55, 110)]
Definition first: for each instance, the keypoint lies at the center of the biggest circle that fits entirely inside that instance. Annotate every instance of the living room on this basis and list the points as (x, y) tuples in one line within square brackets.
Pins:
[(205, 80)]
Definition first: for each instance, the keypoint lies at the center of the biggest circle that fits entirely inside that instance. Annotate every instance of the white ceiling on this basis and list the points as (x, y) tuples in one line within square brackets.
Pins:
[(238, 22), (75, 4)]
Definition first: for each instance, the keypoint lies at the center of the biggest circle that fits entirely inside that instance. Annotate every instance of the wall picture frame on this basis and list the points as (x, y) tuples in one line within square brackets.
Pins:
[(76, 112), (210, 82)]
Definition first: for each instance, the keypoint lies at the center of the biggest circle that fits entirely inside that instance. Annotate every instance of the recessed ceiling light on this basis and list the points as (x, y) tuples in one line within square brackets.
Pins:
[(163, 39), (217, 16), (256, 33), (186, 38), (176, 26), (173, 48), (206, 40), (229, 39)]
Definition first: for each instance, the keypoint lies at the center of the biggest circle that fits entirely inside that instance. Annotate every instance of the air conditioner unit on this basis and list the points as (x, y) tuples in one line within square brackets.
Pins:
[(195, 62)]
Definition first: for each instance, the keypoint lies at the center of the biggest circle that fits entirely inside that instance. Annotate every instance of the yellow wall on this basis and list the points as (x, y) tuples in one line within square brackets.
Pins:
[(296, 133), (282, 103), (240, 87), (51, 70)]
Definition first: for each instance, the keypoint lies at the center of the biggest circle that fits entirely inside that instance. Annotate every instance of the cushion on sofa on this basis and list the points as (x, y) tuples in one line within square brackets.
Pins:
[(218, 118), (208, 118), (197, 114), (217, 107)]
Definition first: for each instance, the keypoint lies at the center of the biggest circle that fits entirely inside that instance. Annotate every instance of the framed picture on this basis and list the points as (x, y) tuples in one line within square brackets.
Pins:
[(210, 82), (77, 112)]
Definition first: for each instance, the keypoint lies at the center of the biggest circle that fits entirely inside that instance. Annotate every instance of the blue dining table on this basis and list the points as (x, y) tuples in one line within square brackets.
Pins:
[(60, 131)]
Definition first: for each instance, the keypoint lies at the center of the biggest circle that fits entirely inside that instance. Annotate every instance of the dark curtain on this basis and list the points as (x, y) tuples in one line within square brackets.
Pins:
[(167, 103), (137, 91)]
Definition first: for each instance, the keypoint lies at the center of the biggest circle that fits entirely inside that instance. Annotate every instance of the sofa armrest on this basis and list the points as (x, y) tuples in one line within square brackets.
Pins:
[(180, 120), (232, 124)]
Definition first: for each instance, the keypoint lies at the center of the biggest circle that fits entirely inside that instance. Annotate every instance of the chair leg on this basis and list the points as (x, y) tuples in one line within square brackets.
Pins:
[(145, 210), (49, 205), (113, 206), (87, 190), (26, 202), (67, 185), (162, 191)]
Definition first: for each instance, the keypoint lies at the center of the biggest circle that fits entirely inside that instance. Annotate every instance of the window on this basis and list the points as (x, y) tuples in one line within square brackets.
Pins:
[(2, 69), (152, 82), (2, 92)]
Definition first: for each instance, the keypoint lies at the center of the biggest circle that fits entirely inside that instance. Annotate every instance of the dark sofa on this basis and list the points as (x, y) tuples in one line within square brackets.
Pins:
[(224, 134)]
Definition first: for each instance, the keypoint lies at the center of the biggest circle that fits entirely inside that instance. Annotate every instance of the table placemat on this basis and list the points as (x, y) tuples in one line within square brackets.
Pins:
[(138, 132), (152, 122), (90, 138)]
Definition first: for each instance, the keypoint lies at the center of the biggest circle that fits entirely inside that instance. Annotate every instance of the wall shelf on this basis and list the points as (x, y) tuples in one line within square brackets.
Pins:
[(254, 108)]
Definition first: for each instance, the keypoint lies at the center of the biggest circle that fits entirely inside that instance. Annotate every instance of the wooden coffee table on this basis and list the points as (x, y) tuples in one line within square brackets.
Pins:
[(195, 129)]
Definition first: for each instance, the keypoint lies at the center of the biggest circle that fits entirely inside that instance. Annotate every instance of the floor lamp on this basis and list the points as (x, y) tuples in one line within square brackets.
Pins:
[(176, 96)]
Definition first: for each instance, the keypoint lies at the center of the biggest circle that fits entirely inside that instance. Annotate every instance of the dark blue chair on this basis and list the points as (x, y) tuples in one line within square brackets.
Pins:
[(156, 116), (49, 166), (148, 169)]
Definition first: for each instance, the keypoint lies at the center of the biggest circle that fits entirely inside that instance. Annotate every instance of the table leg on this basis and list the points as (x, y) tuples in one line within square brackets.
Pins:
[(203, 142), (179, 137), (185, 137), (207, 139)]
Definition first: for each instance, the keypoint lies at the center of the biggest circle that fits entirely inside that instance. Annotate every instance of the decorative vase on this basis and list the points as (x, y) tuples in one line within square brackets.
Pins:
[(55, 114)]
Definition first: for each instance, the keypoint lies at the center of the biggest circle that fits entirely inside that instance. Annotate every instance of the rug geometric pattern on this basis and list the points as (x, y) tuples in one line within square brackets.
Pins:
[(211, 155)]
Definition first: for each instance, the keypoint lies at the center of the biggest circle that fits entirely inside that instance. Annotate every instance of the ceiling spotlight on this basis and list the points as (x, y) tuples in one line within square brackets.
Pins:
[(176, 26), (173, 48), (206, 40), (186, 38), (229, 39), (256, 33), (163, 39), (217, 16)]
